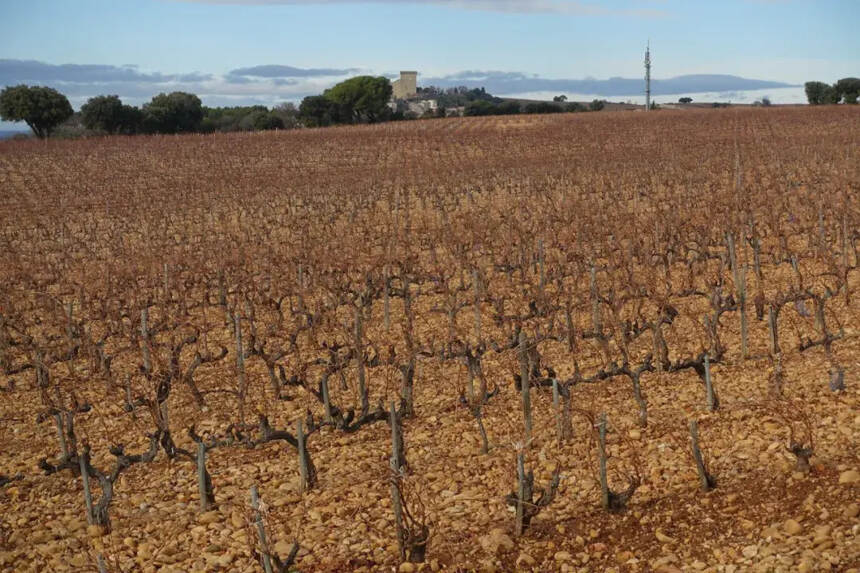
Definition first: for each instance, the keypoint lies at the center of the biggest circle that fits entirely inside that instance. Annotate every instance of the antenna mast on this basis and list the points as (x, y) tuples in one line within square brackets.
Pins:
[(648, 76)]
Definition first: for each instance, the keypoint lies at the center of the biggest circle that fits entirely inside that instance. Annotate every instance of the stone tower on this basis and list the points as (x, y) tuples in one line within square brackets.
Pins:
[(406, 87)]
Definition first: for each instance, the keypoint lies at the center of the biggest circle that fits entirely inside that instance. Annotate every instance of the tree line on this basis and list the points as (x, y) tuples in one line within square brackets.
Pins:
[(845, 90), (47, 112), (361, 99)]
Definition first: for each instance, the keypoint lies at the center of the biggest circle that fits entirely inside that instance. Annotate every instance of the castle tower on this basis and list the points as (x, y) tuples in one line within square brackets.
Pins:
[(406, 87)]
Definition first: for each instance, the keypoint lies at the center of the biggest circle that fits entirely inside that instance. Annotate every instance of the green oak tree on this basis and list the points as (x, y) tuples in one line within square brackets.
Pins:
[(818, 93), (41, 108), (176, 112), (108, 113), (847, 89)]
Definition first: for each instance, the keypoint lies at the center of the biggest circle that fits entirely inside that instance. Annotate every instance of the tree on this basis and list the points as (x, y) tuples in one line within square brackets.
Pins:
[(507, 108), (596, 105), (847, 89), (362, 98), (765, 101), (319, 111), (102, 113), (818, 93), (542, 107), (131, 120), (478, 108), (226, 119), (264, 121), (107, 113), (40, 107), (177, 112), (685, 100), (560, 98), (288, 113)]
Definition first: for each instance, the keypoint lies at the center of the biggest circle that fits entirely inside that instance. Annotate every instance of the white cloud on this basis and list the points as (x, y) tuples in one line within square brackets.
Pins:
[(266, 84)]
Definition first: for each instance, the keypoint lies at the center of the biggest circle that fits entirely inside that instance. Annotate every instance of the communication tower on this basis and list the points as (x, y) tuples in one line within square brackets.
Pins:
[(648, 76)]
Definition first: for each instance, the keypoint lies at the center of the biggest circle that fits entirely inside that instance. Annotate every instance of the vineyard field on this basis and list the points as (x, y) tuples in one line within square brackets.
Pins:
[(385, 330)]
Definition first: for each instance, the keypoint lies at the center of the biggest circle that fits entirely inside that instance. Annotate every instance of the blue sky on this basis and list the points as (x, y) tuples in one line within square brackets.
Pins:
[(147, 46)]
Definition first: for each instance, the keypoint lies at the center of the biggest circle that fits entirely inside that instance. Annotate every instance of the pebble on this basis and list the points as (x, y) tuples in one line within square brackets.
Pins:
[(95, 530), (849, 476), (792, 527), (822, 533), (144, 551), (562, 556), (237, 520), (209, 517), (495, 541), (851, 511), (525, 560)]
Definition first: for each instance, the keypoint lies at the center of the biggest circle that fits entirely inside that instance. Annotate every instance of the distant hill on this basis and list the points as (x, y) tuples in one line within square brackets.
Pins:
[(508, 83)]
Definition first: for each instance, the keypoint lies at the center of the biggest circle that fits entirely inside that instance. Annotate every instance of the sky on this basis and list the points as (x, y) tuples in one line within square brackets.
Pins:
[(266, 51)]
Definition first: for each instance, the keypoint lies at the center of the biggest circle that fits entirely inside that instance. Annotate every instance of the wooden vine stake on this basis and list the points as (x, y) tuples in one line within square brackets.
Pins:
[(710, 397), (85, 477), (707, 482), (611, 501), (144, 335), (739, 275), (775, 353), (476, 281), (240, 367), (386, 301), (265, 559), (307, 471), (561, 407), (525, 386), (398, 466), (477, 411), (204, 480), (270, 561), (601, 450), (523, 490), (358, 336), (525, 506)]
